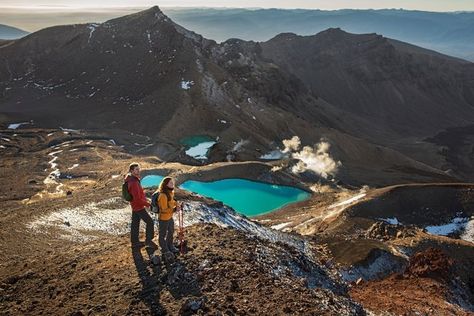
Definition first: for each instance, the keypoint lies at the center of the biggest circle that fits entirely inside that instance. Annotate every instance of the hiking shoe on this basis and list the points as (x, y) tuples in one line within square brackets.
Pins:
[(155, 260), (168, 257)]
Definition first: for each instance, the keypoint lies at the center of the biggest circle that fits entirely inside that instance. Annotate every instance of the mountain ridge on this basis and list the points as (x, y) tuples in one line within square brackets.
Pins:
[(153, 77)]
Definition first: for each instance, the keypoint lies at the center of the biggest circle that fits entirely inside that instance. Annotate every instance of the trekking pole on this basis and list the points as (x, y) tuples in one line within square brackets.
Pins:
[(181, 229)]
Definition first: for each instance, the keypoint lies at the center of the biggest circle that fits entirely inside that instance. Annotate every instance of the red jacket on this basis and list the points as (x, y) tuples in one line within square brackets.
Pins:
[(139, 201)]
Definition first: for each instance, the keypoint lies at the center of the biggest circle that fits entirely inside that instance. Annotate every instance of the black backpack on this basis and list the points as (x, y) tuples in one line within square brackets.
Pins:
[(155, 208), (125, 194)]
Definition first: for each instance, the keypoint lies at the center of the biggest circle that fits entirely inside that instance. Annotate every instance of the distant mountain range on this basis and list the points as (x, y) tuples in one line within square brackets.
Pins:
[(449, 33), (9, 32), (392, 112)]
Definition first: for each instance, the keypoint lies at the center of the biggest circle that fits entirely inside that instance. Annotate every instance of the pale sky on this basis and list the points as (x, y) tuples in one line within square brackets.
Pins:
[(426, 5)]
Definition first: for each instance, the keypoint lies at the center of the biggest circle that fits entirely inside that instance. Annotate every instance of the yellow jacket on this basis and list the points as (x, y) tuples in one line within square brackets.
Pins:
[(166, 207)]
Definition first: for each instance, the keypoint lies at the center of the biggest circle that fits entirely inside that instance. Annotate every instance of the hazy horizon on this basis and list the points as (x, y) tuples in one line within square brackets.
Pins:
[(25, 18), (424, 5)]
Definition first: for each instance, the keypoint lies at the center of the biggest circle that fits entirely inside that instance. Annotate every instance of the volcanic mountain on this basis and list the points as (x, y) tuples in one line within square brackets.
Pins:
[(381, 104), (137, 85)]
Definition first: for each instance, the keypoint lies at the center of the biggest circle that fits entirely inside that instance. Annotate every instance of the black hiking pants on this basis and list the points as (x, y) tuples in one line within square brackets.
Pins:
[(166, 235), (135, 226)]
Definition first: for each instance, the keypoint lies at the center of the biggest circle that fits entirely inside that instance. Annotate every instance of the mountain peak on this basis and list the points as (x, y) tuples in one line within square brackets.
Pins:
[(152, 14), (333, 31), (153, 10)]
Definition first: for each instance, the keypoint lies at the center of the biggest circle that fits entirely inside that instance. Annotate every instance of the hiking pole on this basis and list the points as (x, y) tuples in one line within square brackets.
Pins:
[(181, 229)]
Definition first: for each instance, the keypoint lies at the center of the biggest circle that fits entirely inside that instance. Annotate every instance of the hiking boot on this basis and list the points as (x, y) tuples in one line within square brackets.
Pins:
[(155, 260), (168, 257)]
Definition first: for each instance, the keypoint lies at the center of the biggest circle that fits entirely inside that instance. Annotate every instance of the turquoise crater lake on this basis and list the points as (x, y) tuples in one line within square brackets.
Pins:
[(247, 197), (151, 181)]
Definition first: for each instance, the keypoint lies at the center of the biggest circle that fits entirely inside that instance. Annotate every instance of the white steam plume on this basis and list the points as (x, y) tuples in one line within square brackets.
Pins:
[(292, 144), (315, 159)]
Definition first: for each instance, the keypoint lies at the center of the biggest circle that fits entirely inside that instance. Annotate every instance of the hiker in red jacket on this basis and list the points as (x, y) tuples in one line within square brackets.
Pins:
[(138, 204)]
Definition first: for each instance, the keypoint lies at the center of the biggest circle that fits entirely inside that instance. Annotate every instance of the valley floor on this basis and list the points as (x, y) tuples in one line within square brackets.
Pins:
[(65, 246)]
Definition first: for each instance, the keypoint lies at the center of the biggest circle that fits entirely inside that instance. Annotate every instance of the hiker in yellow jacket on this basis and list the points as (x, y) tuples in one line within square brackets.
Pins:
[(167, 206)]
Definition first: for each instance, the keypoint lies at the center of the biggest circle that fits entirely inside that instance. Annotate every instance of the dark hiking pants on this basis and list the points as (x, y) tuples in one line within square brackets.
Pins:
[(166, 235), (135, 227)]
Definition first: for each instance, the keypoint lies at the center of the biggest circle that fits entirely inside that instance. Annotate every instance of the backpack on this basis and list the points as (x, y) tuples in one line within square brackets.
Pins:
[(125, 194), (155, 208)]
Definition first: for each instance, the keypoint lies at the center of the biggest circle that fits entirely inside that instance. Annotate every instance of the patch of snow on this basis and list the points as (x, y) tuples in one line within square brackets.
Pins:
[(112, 141), (55, 173), (468, 233), (222, 121), (109, 216), (149, 37), (69, 130), (391, 221), (115, 176), (280, 226), (384, 265), (198, 212), (200, 150), (74, 149), (253, 117), (457, 224), (16, 125), (54, 153), (6, 139), (92, 27), (1, 146), (186, 85), (50, 134), (74, 166)]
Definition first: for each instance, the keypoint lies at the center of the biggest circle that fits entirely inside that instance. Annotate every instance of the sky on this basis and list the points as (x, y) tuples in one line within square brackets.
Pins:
[(426, 5)]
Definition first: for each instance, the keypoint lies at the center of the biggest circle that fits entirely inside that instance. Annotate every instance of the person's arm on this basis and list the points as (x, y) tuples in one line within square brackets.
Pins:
[(137, 192), (146, 202)]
